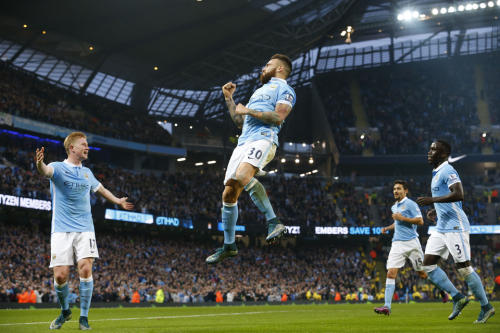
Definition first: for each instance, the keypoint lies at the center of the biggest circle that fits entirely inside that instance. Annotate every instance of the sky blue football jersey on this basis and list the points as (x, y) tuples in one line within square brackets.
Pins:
[(450, 216), (70, 187), (404, 231), (265, 99)]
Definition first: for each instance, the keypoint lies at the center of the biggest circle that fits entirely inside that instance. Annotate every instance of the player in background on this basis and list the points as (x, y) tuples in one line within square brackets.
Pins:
[(72, 231), (452, 233), (405, 243), (261, 120)]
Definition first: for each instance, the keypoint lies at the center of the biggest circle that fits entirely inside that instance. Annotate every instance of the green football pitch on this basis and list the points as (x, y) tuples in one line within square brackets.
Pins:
[(423, 317)]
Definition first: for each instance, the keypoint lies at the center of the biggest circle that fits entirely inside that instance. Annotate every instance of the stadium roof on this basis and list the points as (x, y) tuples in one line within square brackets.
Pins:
[(186, 49)]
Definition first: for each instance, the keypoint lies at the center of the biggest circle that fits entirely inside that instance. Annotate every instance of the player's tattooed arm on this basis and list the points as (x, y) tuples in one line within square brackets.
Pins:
[(276, 117), (238, 119)]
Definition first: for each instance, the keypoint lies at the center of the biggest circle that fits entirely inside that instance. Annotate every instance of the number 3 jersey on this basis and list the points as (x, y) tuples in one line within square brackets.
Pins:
[(405, 231), (265, 99), (70, 187), (450, 215)]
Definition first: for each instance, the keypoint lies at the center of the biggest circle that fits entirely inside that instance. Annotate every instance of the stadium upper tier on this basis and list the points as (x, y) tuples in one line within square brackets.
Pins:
[(25, 95), (406, 107)]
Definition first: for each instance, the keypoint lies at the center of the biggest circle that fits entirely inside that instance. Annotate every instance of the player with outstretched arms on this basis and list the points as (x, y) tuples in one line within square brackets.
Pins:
[(261, 120), (452, 233), (405, 243), (72, 231)]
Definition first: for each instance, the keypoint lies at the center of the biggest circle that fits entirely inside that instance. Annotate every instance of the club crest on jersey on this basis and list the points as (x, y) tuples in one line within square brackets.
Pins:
[(54, 256), (273, 87), (403, 208), (86, 176)]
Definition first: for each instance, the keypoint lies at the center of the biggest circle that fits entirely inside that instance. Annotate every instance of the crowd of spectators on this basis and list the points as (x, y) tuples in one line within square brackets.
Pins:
[(335, 93), (25, 95), (410, 105), (158, 269)]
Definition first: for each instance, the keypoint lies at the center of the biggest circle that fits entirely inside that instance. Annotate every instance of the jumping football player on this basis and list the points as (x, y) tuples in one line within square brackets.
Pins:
[(405, 243), (72, 232), (452, 233), (261, 120)]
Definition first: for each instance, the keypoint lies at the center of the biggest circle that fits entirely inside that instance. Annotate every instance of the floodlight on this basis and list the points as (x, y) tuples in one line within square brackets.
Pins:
[(435, 11)]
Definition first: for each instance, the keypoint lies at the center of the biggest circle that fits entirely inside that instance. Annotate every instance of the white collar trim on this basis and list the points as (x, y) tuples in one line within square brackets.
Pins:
[(402, 200), (442, 165), (278, 79), (73, 165)]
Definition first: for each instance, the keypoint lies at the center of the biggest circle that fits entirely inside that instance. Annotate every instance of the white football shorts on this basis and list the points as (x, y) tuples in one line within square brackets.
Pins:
[(442, 244), (257, 153), (68, 247), (400, 250)]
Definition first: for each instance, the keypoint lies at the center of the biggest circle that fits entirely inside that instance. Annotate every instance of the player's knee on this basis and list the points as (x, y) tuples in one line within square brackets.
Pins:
[(60, 278), (465, 271), (229, 196), (391, 275), (429, 268)]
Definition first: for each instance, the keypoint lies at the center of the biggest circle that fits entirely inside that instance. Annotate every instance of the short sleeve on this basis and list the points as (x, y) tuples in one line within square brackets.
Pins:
[(55, 166), (287, 96), (94, 183), (450, 177), (415, 210)]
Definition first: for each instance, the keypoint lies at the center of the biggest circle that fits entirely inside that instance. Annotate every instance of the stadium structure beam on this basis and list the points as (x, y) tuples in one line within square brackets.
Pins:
[(422, 43), (256, 30), (23, 48), (93, 74), (188, 26), (460, 41)]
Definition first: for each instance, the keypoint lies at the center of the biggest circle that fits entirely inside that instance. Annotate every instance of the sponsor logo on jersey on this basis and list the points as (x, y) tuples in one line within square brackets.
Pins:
[(435, 189)]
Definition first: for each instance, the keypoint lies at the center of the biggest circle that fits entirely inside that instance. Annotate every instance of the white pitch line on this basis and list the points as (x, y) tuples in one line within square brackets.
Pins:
[(167, 317)]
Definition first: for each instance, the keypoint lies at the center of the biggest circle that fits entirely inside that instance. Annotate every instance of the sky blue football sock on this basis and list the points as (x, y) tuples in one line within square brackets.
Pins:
[(229, 219), (390, 287), (86, 288), (439, 278), (474, 282), (259, 196), (62, 293)]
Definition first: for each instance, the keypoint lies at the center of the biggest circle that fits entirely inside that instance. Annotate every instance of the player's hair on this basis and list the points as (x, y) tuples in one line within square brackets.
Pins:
[(445, 145), (402, 182), (71, 139), (287, 63)]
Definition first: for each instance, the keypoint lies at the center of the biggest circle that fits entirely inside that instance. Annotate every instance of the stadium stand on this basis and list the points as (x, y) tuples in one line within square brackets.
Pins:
[(25, 95), (131, 263), (410, 106)]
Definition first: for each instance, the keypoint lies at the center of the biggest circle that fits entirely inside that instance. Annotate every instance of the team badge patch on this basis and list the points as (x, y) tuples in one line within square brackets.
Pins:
[(403, 208), (53, 256), (273, 87), (86, 176), (289, 98), (453, 177)]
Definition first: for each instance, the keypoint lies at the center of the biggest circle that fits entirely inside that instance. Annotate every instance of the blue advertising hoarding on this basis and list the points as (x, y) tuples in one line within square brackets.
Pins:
[(476, 229), (120, 215)]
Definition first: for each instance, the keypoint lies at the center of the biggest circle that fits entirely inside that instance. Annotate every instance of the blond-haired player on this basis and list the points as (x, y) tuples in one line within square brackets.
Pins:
[(72, 231)]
